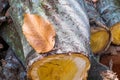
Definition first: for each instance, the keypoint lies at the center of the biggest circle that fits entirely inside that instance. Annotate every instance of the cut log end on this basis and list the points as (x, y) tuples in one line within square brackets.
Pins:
[(100, 39), (115, 30), (60, 67)]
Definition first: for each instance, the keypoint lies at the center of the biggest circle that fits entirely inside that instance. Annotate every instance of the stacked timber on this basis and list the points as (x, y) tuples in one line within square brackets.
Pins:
[(53, 35)]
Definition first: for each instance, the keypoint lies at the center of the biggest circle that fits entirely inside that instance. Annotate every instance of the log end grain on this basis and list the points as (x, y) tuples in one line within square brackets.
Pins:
[(60, 67)]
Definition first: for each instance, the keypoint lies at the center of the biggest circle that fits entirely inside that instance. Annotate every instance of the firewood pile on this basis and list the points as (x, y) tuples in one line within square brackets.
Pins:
[(59, 40)]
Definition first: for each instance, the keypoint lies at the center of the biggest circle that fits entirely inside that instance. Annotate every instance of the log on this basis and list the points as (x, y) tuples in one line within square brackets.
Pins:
[(98, 29), (56, 14), (70, 23), (110, 11)]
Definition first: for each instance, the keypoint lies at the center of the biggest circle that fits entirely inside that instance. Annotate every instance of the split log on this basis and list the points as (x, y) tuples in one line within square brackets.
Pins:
[(72, 31)]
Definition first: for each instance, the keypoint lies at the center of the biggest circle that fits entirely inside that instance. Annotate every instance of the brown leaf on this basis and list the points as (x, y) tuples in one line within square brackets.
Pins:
[(39, 33)]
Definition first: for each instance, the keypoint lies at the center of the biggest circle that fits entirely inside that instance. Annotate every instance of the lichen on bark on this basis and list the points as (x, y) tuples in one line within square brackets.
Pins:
[(10, 35)]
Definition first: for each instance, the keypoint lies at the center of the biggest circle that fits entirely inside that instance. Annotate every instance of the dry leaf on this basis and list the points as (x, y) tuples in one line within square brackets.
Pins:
[(39, 33)]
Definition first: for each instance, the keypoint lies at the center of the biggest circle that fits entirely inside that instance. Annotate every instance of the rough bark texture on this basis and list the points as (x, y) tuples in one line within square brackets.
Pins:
[(10, 35), (71, 25), (92, 12), (11, 68), (109, 11), (65, 17)]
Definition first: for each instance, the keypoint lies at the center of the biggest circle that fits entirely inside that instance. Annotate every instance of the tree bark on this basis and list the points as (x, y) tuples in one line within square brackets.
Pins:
[(11, 36), (109, 11), (92, 12), (70, 22), (67, 22)]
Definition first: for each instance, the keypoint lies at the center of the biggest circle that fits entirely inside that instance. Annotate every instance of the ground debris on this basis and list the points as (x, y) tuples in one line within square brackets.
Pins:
[(1, 46), (109, 75), (11, 68), (4, 5)]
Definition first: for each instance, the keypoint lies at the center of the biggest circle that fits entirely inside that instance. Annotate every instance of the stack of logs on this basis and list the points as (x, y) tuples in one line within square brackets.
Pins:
[(51, 38)]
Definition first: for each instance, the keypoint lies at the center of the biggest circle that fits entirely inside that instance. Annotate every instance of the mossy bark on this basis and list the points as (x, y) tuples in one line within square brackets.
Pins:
[(60, 16), (9, 33)]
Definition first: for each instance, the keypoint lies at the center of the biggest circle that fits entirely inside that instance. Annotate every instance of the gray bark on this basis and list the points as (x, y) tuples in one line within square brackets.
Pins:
[(92, 12), (11, 36), (68, 18), (109, 11)]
